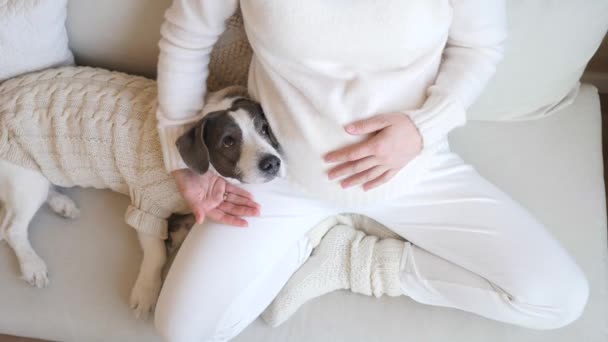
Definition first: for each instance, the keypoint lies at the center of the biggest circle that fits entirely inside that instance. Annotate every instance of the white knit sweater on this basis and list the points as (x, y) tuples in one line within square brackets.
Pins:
[(319, 65), (91, 128)]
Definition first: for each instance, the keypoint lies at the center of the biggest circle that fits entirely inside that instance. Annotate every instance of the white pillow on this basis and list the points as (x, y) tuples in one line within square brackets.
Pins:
[(550, 43), (32, 36)]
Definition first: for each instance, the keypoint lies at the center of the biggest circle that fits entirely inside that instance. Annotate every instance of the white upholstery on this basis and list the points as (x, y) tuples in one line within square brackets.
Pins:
[(32, 36), (93, 260), (549, 45), (553, 166), (116, 34)]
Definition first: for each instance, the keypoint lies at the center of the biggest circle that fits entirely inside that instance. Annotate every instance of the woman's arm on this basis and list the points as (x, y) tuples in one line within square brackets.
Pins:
[(474, 48), (189, 32)]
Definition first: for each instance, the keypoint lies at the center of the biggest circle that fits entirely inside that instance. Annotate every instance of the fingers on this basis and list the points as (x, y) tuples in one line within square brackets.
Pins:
[(368, 126), (238, 191), (221, 217), (240, 200), (239, 196), (351, 168), (238, 210), (363, 177), (388, 175), (353, 152)]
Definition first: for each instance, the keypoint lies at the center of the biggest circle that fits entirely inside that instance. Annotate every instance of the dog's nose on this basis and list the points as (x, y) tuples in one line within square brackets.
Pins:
[(270, 165)]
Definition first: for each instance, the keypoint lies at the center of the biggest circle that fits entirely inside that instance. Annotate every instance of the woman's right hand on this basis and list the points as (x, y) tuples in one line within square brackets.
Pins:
[(210, 195)]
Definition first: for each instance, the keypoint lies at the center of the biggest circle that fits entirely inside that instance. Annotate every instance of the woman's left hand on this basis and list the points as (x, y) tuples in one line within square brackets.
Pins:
[(393, 143)]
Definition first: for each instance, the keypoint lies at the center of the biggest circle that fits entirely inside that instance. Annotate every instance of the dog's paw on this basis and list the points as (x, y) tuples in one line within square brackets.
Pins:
[(144, 296), (63, 206), (34, 271)]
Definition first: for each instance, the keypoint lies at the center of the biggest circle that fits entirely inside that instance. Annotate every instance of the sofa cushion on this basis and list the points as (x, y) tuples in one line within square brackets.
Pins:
[(93, 261), (33, 36), (550, 43)]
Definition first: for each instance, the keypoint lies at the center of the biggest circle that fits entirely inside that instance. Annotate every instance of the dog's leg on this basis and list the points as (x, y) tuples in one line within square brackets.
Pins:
[(61, 204), (147, 286), (179, 227), (24, 191), (33, 268)]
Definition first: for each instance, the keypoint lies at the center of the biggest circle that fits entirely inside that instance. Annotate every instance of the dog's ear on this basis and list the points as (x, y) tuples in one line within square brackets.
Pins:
[(192, 148)]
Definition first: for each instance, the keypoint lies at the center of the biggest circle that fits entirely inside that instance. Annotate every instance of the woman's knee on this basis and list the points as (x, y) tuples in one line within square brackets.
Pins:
[(168, 325), (180, 319), (217, 306), (173, 320), (189, 306), (573, 302), (562, 301)]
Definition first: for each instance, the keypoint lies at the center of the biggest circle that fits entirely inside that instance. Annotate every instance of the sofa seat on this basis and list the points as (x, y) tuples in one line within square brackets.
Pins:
[(553, 166)]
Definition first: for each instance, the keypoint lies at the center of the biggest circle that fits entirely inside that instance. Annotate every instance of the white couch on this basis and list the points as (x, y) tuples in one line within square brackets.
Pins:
[(553, 166)]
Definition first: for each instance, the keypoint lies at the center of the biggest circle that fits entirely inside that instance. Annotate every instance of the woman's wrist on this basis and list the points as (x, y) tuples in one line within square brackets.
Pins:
[(436, 118)]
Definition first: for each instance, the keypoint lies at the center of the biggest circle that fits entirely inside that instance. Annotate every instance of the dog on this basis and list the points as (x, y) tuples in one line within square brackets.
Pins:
[(237, 143), (233, 138)]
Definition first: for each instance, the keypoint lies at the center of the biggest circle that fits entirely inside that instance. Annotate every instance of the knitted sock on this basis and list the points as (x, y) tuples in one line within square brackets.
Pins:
[(386, 270), (326, 270), (346, 258)]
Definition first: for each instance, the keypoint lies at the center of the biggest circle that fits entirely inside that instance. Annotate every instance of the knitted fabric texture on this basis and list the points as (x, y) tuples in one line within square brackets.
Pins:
[(90, 127), (346, 258), (231, 56)]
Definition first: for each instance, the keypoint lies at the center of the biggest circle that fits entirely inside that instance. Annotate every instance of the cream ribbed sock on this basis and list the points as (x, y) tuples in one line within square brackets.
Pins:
[(346, 258)]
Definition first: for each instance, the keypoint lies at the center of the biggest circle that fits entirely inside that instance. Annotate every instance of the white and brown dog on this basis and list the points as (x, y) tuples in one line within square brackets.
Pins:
[(234, 139)]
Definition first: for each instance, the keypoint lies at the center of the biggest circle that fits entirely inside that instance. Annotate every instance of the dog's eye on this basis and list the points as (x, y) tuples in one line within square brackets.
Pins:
[(228, 142), (265, 130)]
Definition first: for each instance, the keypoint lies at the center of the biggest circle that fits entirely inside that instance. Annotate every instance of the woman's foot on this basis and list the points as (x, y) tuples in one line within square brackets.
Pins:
[(326, 270), (346, 258)]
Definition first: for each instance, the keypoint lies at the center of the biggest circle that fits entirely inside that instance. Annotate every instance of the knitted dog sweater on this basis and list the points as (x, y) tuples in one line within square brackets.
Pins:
[(90, 127)]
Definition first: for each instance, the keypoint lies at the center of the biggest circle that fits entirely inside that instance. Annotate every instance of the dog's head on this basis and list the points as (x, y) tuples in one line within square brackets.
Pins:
[(234, 138)]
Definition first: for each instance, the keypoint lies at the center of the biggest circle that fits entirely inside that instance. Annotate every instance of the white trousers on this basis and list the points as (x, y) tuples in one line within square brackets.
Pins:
[(469, 247)]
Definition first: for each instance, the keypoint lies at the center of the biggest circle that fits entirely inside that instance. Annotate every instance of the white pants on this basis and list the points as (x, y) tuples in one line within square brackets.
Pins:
[(470, 247)]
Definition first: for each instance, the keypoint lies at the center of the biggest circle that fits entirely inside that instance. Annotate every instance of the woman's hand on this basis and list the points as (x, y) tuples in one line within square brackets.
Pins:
[(393, 143), (210, 195)]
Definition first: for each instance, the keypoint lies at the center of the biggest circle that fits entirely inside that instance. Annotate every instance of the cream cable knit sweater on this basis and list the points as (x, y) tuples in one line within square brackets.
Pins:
[(91, 128), (319, 64)]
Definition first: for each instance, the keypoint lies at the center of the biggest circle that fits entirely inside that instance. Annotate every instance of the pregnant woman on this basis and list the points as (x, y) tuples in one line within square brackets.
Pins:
[(361, 95)]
